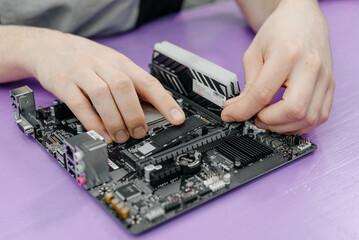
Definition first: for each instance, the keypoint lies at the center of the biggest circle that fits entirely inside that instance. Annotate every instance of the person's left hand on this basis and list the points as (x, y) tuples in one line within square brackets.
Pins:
[(292, 50)]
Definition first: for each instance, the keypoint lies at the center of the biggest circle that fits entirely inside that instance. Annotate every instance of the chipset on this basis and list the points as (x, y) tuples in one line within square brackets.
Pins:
[(128, 192)]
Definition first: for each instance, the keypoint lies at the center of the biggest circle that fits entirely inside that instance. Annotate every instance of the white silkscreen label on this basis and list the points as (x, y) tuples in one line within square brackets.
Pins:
[(208, 93)]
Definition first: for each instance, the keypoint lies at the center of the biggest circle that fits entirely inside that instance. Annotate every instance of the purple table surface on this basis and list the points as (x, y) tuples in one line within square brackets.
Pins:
[(313, 198)]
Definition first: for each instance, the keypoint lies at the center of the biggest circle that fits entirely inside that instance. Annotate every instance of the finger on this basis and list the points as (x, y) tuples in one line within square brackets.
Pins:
[(310, 121), (124, 93), (297, 97), (151, 90), (328, 102), (284, 128), (84, 112), (270, 78), (170, 93), (313, 117), (252, 63), (101, 98), (306, 130)]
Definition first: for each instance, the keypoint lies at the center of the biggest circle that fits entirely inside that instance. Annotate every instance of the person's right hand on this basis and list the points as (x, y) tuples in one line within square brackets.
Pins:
[(77, 70)]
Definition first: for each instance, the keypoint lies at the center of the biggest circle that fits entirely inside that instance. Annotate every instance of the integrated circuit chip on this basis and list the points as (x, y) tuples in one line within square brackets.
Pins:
[(128, 192), (146, 148)]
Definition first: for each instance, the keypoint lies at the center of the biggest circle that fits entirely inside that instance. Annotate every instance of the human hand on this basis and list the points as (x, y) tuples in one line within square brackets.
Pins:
[(77, 70), (292, 50)]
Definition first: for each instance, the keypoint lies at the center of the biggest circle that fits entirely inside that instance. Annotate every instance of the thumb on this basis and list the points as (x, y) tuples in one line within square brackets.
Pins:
[(270, 78), (252, 64)]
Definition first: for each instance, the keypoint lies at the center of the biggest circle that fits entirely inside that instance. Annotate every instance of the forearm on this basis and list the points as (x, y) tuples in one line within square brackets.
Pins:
[(257, 11), (18, 45)]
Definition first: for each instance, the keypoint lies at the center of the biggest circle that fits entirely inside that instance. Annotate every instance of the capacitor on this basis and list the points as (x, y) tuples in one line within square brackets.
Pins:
[(227, 178), (237, 163), (180, 102), (114, 202), (125, 211), (119, 207), (158, 167), (108, 197), (148, 169)]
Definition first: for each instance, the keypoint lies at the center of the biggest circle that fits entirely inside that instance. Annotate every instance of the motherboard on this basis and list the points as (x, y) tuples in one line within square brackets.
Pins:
[(145, 182)]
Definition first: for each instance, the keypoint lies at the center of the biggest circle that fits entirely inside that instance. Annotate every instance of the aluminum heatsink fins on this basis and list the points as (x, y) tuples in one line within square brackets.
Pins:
[(243, 149), (188, 73)]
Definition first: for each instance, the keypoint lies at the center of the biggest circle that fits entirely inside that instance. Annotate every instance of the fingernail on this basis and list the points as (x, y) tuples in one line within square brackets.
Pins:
[(228, 119), (176, 115), (105, 135), (261, 124), (139, 132), (121, 136)]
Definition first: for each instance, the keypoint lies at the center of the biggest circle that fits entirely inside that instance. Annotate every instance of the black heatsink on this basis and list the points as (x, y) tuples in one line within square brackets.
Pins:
[(249, 146), (234, 154)]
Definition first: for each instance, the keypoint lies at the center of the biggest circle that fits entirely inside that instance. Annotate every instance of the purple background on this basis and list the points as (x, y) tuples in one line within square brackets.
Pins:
[(314, 198)]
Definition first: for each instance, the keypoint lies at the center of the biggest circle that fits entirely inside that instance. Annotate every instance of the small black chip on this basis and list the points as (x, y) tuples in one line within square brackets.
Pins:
[(127, 192), (139, 205)]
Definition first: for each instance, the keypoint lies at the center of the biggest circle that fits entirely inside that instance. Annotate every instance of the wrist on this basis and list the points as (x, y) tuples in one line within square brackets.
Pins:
[(310, 7), (37, 44), (20, 46)]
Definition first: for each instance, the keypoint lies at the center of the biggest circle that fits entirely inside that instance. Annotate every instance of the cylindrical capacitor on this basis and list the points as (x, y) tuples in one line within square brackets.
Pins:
[(119, 207), (125, 211), (237, 162), (227, 178), (158, 167), (108, 197), (114, 202), (148, 169)]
